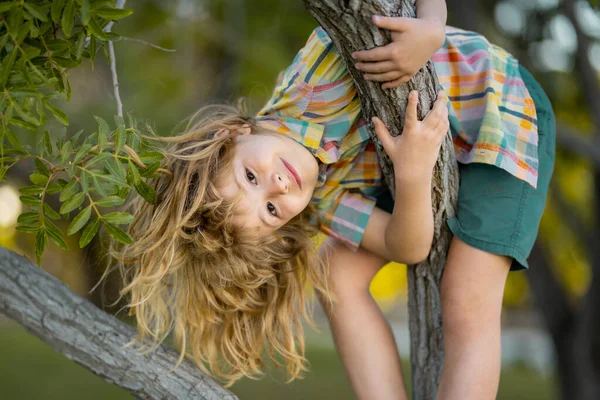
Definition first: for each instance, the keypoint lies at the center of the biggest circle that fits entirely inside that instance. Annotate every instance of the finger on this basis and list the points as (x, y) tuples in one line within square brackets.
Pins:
[(435, 114), (410, 119), (381, 53), (388, 76), (398, 24), (383, 134), (376, 67), (396, 82)]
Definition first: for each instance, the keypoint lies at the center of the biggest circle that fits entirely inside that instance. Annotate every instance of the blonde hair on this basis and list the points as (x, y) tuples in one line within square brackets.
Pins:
[(226, 296)]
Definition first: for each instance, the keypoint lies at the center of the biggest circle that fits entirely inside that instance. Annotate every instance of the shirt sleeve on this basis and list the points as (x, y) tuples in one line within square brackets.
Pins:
[(345, 209), (346, 216)]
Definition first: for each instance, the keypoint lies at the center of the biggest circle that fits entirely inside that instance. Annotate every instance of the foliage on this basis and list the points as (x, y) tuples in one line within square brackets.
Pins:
[(39, 42)]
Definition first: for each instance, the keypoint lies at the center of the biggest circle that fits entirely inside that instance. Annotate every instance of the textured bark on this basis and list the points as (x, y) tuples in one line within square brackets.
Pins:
[(349, 25), (93, 338)]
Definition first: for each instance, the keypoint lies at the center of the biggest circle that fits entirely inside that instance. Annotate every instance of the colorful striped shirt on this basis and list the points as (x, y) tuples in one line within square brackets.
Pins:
[(492, 120)]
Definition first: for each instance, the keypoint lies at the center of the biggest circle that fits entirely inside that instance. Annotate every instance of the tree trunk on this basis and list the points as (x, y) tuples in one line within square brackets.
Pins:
[(349, 25), (93, 338)]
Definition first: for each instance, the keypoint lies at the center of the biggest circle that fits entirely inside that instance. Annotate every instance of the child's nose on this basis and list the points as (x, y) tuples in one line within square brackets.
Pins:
[(280, 183)]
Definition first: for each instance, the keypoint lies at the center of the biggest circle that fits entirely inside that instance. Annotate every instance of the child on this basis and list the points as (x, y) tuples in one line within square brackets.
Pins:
[(223, 255)]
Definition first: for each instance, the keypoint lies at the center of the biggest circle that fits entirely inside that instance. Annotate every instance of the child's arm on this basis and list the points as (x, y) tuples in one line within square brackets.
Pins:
[(406, 235), (414, 40)]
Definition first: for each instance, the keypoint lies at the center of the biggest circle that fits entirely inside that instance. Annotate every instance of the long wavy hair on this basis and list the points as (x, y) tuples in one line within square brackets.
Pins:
[(229, 298)]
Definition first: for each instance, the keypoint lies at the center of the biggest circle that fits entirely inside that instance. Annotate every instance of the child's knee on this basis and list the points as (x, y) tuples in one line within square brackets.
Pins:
[(352, 272)]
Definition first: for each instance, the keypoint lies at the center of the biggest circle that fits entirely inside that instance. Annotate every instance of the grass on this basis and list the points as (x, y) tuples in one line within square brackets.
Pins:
[(31, 369)]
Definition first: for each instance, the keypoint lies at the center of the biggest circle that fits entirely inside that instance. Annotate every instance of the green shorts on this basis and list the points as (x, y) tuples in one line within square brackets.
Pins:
[(497, 212)]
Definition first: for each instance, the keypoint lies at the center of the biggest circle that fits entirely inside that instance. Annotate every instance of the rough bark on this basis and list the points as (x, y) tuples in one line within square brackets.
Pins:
[(93, 338), (349, 25)]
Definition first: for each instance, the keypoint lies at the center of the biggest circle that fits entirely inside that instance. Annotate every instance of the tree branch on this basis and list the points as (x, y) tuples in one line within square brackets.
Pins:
[(113, 63), (93, 338), (148, 44)]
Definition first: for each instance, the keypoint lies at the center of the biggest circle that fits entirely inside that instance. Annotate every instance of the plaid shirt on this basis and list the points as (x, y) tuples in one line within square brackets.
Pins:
[(492, 120)]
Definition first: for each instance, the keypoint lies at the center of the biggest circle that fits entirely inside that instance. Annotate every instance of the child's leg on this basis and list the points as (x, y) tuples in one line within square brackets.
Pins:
[(494, 231), (471, 295), (362, 336)]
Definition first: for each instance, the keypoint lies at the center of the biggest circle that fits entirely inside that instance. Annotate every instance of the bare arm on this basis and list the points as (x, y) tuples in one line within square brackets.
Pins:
[(432, 10), (406, 234)]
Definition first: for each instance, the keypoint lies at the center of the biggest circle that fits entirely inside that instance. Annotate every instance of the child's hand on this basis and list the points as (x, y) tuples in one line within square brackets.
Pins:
[(413, 43), (415, 152)]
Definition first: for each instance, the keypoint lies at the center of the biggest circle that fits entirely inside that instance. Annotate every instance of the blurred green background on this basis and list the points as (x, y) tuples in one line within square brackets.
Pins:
[(228, 49)]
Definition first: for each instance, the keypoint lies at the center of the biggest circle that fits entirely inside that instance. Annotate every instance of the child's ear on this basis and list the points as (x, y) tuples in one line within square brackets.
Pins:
[(242, 130)]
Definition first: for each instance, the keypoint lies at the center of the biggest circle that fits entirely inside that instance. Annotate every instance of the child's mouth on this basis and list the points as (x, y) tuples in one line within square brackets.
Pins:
[(294, 173)]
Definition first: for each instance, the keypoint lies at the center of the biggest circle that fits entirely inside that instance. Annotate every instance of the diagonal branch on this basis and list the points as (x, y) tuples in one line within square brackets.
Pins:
[(95, 339)]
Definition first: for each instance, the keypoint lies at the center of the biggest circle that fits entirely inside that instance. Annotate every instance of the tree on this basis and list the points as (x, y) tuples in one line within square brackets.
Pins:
[(350, 28)]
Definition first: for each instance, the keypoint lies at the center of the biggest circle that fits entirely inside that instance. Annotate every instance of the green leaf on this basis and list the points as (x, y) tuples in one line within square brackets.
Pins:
[(96, 29), (55, 10), (36, 11), (40, 167), (98, 186), (135, 174), (68, 19), (30, 201), (72, 203), (113, 14), (149, 171), (84, 181), (7, 5), (28, 218), (82, 152), (116, 170), (40, 243), (80, 220), (118, 217), (13, 139), (110, 201), (58, 113), (56, 235), (66, 62), (8, 62), (85, 12), (25, 115), (38, 179), (53, 188), (101, 157), (103, 132), (23, 124), (69, 190), (65, 150), (118, 234), (88, 233), (49, 211), (27, 228), (150, 157), (31, 190), (119, 134), (146, 191), (47, 143), (80, 44)]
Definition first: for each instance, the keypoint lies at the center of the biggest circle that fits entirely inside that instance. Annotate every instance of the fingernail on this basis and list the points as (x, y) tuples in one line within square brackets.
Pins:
[(357, 66), (353, 55), (375, 18), (367, 76)]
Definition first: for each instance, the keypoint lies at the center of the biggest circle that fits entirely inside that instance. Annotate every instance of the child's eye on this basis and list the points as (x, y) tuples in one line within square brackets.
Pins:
[(250, 176), (271, 209)]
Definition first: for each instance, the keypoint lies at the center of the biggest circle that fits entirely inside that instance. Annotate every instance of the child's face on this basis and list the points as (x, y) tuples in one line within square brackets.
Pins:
[(271, 196)]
